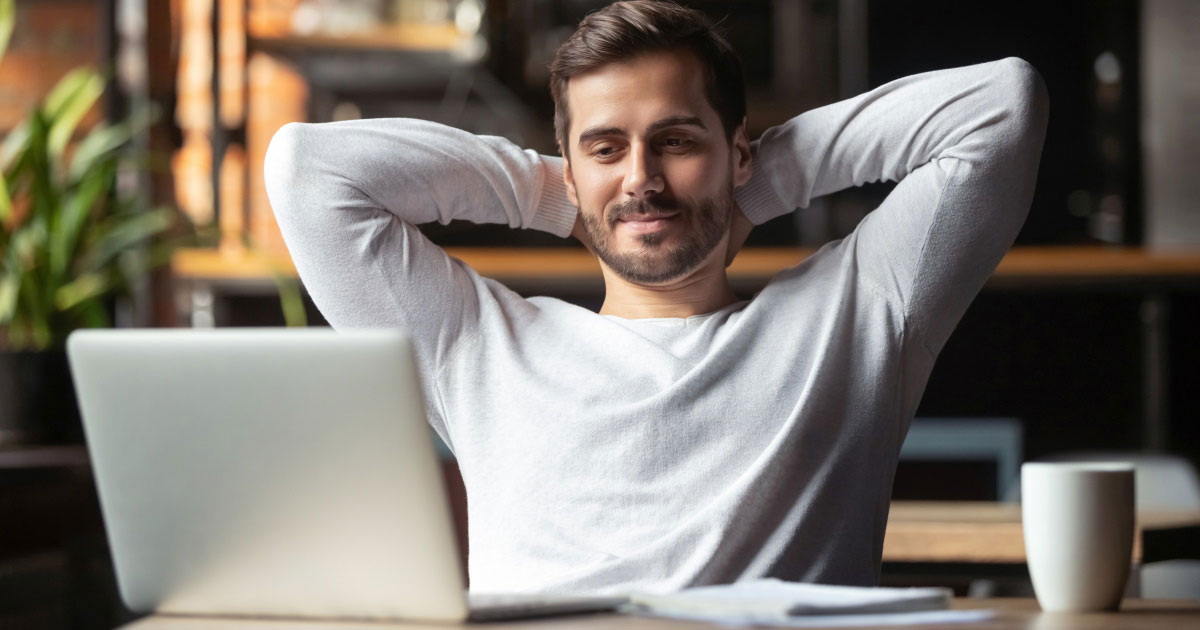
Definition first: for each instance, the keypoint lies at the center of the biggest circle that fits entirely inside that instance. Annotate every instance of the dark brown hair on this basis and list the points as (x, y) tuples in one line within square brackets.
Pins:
[(624, 30)]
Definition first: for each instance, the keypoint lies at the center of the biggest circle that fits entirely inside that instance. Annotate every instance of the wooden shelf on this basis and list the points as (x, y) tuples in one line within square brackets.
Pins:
[(391, 38), (753, 264), (1091, 260)]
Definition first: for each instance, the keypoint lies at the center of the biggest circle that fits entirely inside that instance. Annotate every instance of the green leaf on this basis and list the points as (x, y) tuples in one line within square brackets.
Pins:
[(64, 239), (73, 86), (25, 245), (96, 148), (43, 337), (44, 193), (290, 300), (67, 103), (16, 143), (36, 313), (5, 203), (92, 314), (7, 18), (85, 287), (127, 232), (10, 284), (103, 140)]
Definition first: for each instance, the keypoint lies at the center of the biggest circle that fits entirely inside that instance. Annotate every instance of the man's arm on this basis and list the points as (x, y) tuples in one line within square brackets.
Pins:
[(349, 195), (964, 144)]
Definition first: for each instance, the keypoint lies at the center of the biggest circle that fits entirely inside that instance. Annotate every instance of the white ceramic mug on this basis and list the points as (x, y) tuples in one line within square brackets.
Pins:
[(1078, 521)]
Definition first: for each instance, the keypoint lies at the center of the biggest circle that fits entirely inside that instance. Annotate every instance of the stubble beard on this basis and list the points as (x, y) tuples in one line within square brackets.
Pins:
[(655, 262)]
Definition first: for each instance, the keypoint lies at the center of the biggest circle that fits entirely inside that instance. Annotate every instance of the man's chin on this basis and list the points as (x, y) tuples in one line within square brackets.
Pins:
[(650, 268)]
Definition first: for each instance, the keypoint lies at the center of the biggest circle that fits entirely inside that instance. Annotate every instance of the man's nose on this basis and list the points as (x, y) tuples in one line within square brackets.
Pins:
[(644, 174)]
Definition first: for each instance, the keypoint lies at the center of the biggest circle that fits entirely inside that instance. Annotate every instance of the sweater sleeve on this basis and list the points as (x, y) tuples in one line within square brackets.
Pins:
[(348, 197), (964, 145)]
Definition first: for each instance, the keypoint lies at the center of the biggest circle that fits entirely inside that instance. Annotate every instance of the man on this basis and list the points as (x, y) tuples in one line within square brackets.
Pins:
[(680, 436)]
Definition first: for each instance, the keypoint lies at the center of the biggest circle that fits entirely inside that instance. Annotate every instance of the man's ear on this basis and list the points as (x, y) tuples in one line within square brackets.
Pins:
[(741, 155), (569, 180)]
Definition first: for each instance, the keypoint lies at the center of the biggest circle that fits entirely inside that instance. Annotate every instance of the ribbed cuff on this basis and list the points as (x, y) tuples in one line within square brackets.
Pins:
[(554, 213), (758, 199)]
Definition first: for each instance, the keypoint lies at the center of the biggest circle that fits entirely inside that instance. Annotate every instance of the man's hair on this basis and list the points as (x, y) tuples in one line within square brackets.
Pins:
[(624, 30)]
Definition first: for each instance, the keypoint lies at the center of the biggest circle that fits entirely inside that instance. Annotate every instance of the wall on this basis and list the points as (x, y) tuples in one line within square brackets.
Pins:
[(50, 39)]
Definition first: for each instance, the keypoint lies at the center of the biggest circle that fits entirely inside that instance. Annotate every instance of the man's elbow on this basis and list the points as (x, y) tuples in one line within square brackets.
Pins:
[(1030, 99), (283, 164)]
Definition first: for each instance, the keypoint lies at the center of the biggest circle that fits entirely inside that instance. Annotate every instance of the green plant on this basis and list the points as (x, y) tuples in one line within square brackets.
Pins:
[(70, 238), (291, 300)]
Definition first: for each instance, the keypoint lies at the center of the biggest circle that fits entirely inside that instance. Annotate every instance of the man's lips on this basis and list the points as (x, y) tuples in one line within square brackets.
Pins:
[(647, 222)]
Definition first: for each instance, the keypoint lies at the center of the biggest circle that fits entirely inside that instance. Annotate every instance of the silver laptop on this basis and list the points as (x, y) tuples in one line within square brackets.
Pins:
[(273, 472)]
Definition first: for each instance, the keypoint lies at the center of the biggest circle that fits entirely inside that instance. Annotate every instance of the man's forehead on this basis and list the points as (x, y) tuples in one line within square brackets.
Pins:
[(633, 94)]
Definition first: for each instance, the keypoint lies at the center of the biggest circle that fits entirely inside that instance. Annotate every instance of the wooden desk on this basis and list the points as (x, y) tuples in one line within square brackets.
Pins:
[(1012, 614), (982, 532)]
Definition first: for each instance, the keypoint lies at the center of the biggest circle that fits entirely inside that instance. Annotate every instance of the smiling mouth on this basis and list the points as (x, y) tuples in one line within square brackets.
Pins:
[(648, 222)]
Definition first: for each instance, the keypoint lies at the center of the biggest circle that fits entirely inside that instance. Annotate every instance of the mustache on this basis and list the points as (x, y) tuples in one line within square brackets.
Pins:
[(639, 206)]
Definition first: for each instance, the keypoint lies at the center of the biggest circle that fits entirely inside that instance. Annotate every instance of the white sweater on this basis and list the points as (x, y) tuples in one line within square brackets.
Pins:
[(602, 454)]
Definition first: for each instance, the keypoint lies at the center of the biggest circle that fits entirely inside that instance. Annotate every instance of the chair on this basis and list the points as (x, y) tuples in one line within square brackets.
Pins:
[(999, 440)]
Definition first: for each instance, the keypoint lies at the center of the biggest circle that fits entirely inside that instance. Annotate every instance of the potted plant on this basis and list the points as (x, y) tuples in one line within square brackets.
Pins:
[(71, 241)]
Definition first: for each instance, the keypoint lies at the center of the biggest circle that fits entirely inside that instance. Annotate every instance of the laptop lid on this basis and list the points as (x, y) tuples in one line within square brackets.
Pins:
[(267, 472)]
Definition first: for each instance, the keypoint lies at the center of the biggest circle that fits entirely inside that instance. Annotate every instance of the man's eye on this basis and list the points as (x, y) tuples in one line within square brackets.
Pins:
[(604, 151), (676, 143)]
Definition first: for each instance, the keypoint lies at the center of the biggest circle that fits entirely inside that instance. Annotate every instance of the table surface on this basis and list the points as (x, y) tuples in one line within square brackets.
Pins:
[(985, 532), (1011, 614)]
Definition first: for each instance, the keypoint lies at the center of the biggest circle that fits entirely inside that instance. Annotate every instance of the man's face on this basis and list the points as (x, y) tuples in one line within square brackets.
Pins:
[(649, 166)]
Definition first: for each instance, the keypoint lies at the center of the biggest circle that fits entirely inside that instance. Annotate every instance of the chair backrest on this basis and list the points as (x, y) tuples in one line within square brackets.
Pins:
[(998, 440)]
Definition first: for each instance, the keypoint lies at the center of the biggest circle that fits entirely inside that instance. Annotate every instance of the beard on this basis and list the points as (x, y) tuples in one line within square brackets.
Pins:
[(654, 261)]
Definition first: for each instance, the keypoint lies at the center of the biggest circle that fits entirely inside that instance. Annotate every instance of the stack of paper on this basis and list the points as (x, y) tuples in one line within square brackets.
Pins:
[(772, 601)]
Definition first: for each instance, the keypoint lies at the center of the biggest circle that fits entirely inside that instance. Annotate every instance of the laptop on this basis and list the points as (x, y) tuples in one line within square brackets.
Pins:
[(275, 472)]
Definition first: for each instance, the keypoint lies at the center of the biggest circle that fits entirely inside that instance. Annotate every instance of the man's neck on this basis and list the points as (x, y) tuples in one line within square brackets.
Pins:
[(704, 290)]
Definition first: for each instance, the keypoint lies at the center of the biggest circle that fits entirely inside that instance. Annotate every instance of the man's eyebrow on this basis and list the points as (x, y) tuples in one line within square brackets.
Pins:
[(676, 121), (598, 132), (656, 126)]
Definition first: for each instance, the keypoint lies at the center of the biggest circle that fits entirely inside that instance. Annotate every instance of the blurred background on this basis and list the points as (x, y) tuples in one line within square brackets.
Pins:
[(144, 123)]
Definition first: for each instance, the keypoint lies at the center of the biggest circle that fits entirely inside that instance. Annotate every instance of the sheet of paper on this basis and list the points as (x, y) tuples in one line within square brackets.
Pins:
[(921, 618), (776, 599)]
